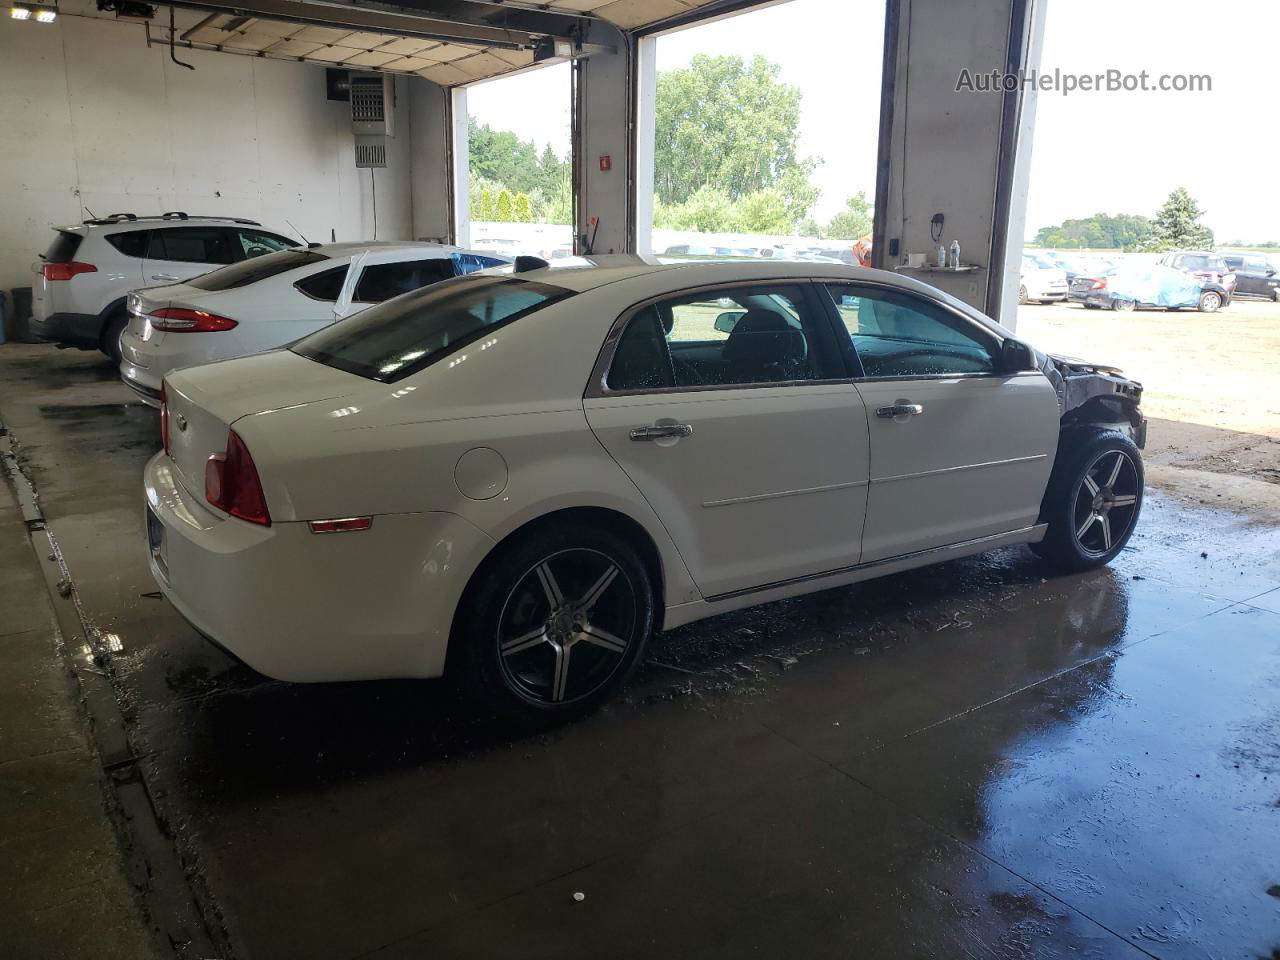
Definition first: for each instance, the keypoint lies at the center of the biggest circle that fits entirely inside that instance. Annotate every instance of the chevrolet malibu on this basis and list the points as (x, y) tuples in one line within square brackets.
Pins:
[(514, 478)]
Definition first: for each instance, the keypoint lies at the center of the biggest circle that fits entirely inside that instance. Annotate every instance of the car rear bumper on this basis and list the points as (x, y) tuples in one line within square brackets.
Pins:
[(307, 607), (146, 393), (74, 329)]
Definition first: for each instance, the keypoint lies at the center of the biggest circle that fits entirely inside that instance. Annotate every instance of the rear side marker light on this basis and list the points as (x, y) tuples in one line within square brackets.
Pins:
[(65, 271), (343, 525), (182, 320)]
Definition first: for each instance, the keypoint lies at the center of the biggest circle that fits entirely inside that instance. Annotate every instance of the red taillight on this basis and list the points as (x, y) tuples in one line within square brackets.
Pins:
[(164, 417), (65, 271), (231, 483), (1100, 284), (182, 320)]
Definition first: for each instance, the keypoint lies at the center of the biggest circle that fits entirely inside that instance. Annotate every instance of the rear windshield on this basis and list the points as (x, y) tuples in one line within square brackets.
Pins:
[(64, 247), (397, 338), (258, 268)]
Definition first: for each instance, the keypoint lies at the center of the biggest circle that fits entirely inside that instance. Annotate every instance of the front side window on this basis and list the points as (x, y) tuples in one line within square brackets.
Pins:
[(726, 337), (193, 245), (382, 281), (901, 335), (395, 339), (259, 268), (255, 243)]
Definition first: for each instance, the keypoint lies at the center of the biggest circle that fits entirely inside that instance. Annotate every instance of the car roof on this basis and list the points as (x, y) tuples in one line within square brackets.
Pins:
[(124, 222), (581, 274), (350, 248)]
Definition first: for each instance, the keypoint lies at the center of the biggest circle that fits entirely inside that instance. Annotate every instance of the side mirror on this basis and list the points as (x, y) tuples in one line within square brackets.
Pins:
[(1016, 356), (728, 320), (1271, 271)]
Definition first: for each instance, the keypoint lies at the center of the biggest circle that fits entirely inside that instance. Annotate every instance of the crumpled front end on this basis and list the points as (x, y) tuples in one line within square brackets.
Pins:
[(1096, 394)]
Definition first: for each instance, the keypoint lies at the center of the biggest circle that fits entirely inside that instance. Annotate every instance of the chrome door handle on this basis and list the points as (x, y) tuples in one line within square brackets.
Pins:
[(662, 431), (900, 410), (163, 276)]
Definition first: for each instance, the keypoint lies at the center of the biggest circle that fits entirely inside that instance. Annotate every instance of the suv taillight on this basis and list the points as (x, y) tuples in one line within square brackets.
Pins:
[(231, 483), (65, 271), (1099, 284), (164, 417), (182, 320)]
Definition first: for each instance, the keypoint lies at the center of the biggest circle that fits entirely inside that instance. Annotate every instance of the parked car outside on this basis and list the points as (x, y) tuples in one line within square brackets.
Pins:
[(1155, 286), (1041, 280), (523, 474), (268, 302), (1255, 275), (84, 277), (1207, 266)]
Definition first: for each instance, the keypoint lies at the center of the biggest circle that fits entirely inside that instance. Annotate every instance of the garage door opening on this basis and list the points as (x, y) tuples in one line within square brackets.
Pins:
[(1124, 260), (765, 133), (520, 176)]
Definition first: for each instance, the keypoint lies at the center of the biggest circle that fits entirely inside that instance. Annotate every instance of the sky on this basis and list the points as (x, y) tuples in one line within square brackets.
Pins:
[(1112, 152)]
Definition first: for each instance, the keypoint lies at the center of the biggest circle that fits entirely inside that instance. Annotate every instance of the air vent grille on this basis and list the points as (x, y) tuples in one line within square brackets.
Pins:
[(371, 154)]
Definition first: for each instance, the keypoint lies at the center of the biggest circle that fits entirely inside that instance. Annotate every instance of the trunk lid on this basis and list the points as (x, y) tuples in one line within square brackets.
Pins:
[(142, 303), (205, 402)]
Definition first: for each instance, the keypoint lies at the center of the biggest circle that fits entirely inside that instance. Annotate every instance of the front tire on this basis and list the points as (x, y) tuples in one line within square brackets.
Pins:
[(553, 625), (1123, 306), (1022, 296), (1093, 499)]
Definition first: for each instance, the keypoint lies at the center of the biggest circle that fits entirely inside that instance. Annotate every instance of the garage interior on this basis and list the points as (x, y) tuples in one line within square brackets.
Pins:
[(969, 760)]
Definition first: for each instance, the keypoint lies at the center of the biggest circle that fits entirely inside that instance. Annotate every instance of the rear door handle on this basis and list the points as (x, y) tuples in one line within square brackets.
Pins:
[(163, 276), (900, 409), (662, 431)]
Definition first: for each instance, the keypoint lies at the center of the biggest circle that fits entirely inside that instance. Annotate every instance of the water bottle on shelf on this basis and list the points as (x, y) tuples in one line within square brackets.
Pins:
[(942, 257), (955, 254)]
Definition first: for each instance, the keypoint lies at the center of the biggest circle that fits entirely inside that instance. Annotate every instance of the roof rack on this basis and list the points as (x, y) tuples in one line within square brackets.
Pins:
[(170, 215)]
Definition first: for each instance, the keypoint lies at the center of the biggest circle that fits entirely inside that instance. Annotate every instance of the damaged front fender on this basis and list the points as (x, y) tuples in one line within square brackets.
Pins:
[(1091, 393)]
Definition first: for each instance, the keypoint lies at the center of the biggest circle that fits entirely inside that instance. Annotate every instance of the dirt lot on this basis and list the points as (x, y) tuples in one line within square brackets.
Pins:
[(1212, 390)]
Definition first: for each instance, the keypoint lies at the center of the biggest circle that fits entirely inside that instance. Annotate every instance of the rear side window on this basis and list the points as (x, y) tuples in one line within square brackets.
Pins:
[(132, 244), (259, 268), (325, 285), (382, 281), (400, 337), (64, 247), (193, 245)]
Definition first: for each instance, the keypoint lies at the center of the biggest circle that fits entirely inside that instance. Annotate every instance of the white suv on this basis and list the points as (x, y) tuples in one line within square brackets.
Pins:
[(86, 274)]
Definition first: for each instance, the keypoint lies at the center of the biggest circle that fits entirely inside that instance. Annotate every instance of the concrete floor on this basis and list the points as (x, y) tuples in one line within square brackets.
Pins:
[(965, 761)]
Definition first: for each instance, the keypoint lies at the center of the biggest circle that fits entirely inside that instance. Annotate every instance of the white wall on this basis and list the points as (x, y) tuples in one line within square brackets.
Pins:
[(91, 119)]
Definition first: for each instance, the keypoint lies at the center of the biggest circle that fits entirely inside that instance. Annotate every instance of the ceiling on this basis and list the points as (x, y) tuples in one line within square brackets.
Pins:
[(473, 50)]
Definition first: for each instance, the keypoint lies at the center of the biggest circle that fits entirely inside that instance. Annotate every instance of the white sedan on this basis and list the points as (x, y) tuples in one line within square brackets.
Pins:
[(272, 300), (517, 476)]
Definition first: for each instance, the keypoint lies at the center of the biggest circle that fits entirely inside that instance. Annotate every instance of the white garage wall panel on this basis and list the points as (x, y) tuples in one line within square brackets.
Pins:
[(91, 119)]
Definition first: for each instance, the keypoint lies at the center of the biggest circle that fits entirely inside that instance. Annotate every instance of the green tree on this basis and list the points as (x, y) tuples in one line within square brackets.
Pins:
[(764, 211), (1178, 226), (487, 212), (730, 124), (522, 208), (1101, 232), (504, 210), (854, 221)]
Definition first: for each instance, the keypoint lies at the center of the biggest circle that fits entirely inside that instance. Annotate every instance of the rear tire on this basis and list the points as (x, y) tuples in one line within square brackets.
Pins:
[(1093, 499), (553, 624), (1210, 302), (1022, 296), (1123, 306), (112, 330)]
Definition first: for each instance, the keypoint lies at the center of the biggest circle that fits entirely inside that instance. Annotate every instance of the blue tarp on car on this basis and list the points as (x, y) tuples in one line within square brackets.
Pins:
[(1154, 284)]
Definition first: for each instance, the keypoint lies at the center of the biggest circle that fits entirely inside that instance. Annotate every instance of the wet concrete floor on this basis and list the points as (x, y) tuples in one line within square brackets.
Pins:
[(966, 761)]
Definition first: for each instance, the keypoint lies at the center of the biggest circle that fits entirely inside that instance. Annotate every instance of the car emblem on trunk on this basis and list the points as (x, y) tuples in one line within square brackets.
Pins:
[(182, 422)]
